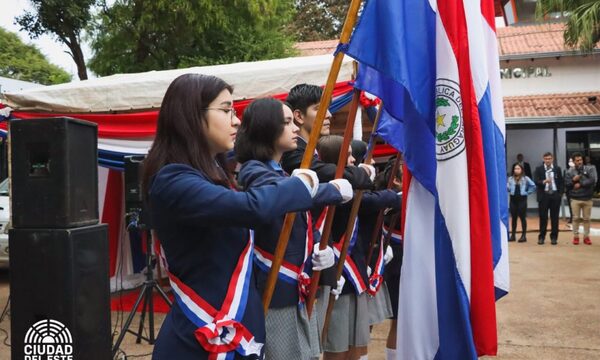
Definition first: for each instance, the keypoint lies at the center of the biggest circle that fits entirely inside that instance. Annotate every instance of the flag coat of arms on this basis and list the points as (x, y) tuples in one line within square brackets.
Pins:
[(435, 66)]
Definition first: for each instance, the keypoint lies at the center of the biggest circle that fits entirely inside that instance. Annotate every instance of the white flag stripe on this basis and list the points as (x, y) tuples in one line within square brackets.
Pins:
[(418, 334), (477, 53), (452, 181)]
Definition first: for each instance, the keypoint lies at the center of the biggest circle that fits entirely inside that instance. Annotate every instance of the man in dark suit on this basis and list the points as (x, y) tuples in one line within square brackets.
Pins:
[(549, 180), (524, 165)]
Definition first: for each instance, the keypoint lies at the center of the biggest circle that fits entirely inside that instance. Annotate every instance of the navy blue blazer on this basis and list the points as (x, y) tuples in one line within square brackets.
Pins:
[(203, 228), (255, 173)]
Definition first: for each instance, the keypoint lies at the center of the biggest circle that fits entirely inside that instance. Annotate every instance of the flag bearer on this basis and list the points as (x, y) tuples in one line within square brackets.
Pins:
[(203, 224), (267, 131)]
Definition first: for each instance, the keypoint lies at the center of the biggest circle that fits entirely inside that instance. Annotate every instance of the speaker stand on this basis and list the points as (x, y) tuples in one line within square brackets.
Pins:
[(146, 292), (6, 310)]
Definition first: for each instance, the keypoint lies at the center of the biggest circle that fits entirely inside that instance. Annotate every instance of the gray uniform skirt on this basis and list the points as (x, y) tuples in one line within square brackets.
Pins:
[(291, 335), (349, 324), (380, 306)]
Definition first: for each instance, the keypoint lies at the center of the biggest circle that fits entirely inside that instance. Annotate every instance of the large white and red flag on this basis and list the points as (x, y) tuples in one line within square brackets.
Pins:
[(435, 66)]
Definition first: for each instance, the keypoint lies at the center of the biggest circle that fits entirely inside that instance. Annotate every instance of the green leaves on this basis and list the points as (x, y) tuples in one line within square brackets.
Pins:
[(65, 19), (443, 136), (25, 62), (583, 24), (441, 102), (318, 19), (144, 35)]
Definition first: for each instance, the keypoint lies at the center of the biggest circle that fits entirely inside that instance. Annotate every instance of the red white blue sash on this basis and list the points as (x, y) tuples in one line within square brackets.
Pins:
[(396, 237), (376, 278), (288, 272), (220, 331), (350, 268)]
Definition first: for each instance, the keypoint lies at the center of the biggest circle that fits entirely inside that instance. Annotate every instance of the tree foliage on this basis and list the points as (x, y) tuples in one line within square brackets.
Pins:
[(318, 19), (143, 35), (65, 19), (25, 62), (583, 24)]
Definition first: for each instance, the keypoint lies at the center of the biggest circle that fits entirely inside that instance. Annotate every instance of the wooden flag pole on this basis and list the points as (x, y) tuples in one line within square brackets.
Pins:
[(339, 172), (286, 230), (379, 221)]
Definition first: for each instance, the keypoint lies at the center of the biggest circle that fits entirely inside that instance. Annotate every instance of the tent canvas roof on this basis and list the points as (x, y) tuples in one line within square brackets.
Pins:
[(141, 91)]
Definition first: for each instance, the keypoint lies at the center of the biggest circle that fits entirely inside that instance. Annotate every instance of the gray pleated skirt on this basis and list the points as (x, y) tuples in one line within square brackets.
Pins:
[(380, 306), (349, 324), (291, 335)]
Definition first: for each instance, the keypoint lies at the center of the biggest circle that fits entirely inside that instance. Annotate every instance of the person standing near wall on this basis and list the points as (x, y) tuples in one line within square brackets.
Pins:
[(580, 182), (549, 180), (524, 164), (519, 186)]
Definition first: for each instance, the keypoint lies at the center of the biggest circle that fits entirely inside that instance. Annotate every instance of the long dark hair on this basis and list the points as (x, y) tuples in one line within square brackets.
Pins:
[(180, 131), (262, 124), (513, 171)]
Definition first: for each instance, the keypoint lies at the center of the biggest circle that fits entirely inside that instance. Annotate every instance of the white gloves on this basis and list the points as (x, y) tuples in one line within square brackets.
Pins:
[(322, 259), (338, 290), (370, 169), (344, 188), (369, 271), (312, 187), (389, 255)]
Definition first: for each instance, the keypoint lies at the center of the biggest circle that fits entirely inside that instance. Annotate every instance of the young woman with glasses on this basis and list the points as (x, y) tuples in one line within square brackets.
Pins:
[(203, 225)]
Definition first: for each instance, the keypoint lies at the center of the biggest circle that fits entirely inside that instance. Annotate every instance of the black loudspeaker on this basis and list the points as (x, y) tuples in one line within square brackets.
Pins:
[(134, 200), (133, 185), (60, 275), (54, 173)]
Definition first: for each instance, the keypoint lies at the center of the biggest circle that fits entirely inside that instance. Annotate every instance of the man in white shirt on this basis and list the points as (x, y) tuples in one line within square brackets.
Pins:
[(550, 184)]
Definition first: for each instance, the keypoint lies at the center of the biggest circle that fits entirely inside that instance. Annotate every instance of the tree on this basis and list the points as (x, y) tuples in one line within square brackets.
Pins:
[(318, 19), (66, 19), (583, 24), (25, 62), (144, 35)]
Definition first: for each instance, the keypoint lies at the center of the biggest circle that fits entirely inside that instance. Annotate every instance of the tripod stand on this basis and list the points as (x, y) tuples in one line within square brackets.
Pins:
[(146, 293)]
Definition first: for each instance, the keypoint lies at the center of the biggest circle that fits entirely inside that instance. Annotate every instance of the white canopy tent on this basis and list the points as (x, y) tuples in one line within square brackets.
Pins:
[(142, 91)]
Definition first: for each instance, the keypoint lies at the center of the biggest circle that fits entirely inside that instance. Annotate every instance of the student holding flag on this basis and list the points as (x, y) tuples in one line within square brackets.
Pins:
[(391, 275), (203, 224), (348, 333), (378, 301), (304, 100), (267, 131)]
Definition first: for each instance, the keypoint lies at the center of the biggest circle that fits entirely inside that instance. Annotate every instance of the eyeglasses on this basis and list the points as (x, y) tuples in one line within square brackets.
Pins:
[(230, 111)]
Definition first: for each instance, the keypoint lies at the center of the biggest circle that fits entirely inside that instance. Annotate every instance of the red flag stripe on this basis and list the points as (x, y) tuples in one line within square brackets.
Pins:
[(483, 309)]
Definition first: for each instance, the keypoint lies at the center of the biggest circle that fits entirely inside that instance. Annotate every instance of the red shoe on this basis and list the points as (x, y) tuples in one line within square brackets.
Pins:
[(587, 241), (576, 240)]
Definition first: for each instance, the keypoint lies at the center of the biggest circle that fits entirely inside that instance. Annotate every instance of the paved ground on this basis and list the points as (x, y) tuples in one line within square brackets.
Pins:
[(552, 312)]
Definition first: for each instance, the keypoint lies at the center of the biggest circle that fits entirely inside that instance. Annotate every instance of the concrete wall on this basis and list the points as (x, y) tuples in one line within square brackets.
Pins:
[(567, 74)]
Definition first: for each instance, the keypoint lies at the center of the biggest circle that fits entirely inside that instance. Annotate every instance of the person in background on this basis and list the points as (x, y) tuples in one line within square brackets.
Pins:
[(549, 180), (568, 193), (524, 164), (519, 187), (580, 182)]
